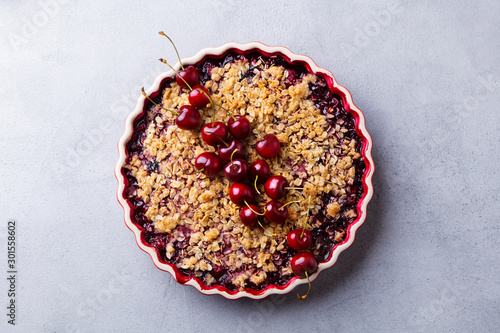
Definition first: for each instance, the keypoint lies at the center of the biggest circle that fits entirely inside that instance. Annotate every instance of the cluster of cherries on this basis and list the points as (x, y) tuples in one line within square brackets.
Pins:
[(230, 157)]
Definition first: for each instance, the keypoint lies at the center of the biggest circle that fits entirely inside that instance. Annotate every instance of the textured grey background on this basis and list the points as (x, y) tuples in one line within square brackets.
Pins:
[(425, 73)]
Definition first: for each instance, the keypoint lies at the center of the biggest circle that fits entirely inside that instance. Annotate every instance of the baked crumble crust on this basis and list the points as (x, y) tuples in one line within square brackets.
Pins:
[(194, 210)]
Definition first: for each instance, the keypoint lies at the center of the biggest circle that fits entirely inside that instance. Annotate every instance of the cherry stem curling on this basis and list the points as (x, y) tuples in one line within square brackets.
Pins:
[(259, 134), (260, 214), (234, 151), (288, 203), (272, 233), (176, 72), (308, 290), (178, 57), (160, 106), (255, 184)]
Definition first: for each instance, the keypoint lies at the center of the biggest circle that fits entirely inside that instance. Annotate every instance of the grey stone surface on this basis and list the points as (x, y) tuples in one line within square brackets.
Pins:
[(426, 75)]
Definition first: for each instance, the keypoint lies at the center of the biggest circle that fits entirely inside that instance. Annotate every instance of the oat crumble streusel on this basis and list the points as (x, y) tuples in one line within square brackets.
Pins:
[(189, 217)]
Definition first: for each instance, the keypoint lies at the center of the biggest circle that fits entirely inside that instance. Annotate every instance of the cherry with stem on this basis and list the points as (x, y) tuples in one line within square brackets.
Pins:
[(253, 209), (188, 118), (156, 104), (208, 163), (237, 170), (233, 149), (189, 73), (303, 264), (255, 184), (214, 133), (198, 94), (259, 172)]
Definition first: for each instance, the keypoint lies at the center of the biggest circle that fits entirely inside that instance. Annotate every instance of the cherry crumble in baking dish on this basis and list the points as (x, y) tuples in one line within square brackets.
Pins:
[(251, 205)]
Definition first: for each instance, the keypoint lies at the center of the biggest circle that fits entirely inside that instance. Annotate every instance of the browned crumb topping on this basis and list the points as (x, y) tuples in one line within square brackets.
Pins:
[(314, 155)]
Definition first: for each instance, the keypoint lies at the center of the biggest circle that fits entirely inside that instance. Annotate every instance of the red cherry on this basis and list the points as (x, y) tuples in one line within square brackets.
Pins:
[(239, 193), (299, 239), (268, 147), (217, 271), (189, 118), (304, 262), (189, 74), (225, 152), (273, 212), (261, 169), (240, 127), (248, 215), (275, 187), (209, 163), (214, 133), (237, 170), (198, 97)]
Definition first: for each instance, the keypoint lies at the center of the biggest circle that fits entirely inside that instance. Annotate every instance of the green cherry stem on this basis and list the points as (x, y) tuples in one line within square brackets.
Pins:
[(288, 203), (197, 171), (294, 188), (209, 98), (307, 218), (166, 63), (234, 151), (223, 108), (160, 106), (255, 184), (187, 84), (178, 57), (308, 290), (272, 233), (224, 142), (260, 214)]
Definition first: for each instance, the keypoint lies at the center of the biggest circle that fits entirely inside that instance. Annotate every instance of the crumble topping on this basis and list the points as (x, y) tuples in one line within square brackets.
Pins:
[(194, 213)]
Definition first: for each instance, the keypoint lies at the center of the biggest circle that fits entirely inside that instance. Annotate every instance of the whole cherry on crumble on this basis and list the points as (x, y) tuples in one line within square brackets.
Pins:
[(299, 239), (199, 97), (241, 193), (187, 77), (237, 170), (233, 149), (189, 118), (217, 271), (275, 212), (214, 133), (275, 187), (250, 215), (259, 171), (208, 163), (268, 147), (239, 127)]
